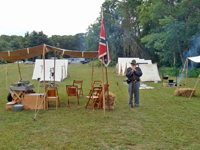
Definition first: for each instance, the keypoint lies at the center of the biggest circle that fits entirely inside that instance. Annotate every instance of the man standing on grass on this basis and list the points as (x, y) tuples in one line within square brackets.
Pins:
[(133, 74)]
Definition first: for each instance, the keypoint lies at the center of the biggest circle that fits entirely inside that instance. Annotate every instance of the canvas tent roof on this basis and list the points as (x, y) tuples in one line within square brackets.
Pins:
[(195, 59), (61, 68), (12, 56)]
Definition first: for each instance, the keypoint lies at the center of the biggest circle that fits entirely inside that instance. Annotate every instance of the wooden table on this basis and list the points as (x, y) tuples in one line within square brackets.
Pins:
[(19, 90)]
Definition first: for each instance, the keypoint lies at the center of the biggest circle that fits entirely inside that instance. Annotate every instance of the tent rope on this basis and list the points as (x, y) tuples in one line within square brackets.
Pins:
[(3, 69), (37, 99), (40, 105)]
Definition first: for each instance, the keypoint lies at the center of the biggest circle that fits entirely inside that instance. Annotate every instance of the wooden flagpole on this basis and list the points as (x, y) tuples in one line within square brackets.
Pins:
[(20, 77), (92, 71), (104, 107), (44, 46), (108, 89)]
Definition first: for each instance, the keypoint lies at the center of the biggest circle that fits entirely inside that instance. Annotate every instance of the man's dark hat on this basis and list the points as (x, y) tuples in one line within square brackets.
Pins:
[(133, 62)]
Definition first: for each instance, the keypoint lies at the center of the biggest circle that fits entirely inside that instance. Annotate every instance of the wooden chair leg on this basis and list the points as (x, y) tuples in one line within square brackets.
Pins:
[(58, 101), (47, 103), (67, 101), (76, 100)]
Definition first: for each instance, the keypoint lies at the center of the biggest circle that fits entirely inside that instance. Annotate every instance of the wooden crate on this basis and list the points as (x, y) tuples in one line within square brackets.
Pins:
[(29, 101), (8, 107)]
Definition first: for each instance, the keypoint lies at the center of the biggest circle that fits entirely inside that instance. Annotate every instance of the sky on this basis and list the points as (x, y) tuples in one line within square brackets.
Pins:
[(53, 17)]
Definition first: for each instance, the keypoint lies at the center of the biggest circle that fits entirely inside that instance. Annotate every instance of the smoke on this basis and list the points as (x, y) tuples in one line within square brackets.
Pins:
[(194, 50)]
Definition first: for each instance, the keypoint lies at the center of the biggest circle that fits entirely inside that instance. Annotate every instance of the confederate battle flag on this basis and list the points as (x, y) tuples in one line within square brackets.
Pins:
[(104, 55)]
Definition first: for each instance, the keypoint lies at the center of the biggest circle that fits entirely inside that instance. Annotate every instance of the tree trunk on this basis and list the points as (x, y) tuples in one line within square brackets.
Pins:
[(180, 52)]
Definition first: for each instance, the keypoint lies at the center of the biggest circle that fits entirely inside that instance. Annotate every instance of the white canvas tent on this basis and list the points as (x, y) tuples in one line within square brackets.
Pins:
[(150, 71), (124, 63), (60, 69)]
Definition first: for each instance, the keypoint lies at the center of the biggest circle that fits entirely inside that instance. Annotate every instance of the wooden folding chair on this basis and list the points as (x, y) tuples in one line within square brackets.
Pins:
[(72, 91), (95, 96), (80, 90), (97, 83), (52, 95)]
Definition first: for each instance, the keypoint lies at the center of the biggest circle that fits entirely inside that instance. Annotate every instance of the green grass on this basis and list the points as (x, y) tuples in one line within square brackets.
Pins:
[(163, 121)]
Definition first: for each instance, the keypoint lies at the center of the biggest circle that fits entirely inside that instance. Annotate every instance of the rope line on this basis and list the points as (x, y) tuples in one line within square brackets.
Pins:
[(3, 69)]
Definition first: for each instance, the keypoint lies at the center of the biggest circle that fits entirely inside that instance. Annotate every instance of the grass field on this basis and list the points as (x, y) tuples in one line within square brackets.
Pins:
[(163, 121)]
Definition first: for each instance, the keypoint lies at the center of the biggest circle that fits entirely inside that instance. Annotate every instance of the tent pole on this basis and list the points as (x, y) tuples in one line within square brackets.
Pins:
[(6, 78), (181, 76), (104, 107), (108, 89), (54, 67), (194, 87), (20, 77), (27, 71), (186, 74), (44, 46), (92, 70)]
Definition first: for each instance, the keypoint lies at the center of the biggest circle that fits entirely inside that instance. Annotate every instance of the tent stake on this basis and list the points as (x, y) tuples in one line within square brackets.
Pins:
[(104, 107), (20, 77)]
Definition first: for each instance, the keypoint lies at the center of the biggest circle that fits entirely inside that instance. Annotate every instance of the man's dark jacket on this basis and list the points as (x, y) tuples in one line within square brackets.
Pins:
[(137, 74)]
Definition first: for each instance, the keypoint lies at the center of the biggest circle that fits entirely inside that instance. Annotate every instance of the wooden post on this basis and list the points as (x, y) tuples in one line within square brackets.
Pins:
[(181, 77), (104, 107), (20, 77), (6, 78), (54, 68), (107, 90), (194, 87), (186, 74), (44, 46), (27, 71), (92, 70)]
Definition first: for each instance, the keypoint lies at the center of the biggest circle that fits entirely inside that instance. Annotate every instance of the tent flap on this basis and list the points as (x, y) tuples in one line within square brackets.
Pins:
[(15, 55)]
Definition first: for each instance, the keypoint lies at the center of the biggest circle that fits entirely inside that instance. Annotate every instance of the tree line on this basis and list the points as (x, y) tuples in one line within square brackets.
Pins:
[(164, 31)]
